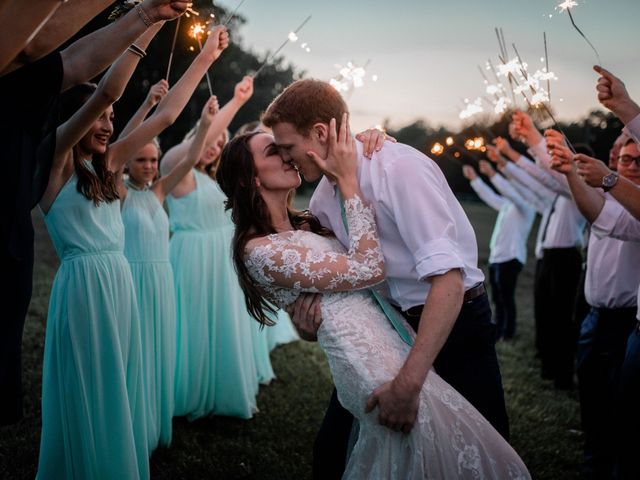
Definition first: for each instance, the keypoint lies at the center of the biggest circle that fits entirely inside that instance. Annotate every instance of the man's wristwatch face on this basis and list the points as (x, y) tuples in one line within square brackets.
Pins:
[(608, 181)]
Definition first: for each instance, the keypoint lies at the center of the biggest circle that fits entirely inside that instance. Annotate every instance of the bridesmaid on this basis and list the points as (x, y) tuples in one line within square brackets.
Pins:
[(215, 371), (147, 249), (93, 396)]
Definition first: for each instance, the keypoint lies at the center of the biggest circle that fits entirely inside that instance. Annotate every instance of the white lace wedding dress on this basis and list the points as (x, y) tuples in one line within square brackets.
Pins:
[(450, 439)]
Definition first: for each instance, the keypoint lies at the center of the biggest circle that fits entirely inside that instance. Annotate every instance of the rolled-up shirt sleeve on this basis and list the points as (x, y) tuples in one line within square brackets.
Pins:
[(416, 195), (614, 221), (632, 129)]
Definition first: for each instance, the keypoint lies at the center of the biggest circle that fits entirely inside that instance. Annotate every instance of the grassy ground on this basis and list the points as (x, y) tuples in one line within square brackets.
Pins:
[(277, 443)]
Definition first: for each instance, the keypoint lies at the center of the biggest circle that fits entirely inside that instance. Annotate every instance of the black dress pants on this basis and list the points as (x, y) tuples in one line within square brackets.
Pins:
[(601, 350), (504, 277), (467, 361), (556, 290)]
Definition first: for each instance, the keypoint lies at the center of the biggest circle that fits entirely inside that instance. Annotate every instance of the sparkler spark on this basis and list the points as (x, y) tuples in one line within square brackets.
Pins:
[(449, 141), (197, 30), (472, 108), (292, 37), (566, 5)]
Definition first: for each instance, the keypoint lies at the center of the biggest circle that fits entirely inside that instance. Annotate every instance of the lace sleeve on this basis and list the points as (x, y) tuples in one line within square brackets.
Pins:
[(275, 261)]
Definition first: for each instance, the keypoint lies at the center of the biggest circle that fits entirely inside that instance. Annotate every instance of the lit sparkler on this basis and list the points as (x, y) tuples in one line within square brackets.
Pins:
[(292, 37), (566, 6), (349, 77), (437, 149), (196, 31), (472, 108)]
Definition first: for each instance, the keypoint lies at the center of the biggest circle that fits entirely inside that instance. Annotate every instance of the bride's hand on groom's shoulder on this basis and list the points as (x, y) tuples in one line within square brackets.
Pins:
[(397, 405), (373, 140), (341, 162)]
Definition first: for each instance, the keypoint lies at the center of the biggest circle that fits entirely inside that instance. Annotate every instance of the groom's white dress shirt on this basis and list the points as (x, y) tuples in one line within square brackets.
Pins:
[(422, 227)]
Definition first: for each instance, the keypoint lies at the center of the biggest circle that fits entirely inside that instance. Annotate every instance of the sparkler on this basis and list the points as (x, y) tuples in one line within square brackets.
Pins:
[(292, 37), (173, 47), (234, 13), (566, 6), (349, 77), (546, 60), (196, 30)]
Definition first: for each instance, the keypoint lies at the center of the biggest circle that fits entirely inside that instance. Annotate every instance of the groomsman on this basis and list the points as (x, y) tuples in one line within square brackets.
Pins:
[(560, 237), (508, 245), (431, 263)]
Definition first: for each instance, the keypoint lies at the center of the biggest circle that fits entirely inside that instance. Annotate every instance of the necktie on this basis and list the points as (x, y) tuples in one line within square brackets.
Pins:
[(546, 225), (392, 315)]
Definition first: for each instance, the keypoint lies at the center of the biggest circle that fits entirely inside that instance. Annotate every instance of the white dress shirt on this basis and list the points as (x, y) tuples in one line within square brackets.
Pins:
[(562, 224), (616, 222), (556, 181), (632, 129), (422, 227), (515, 217)]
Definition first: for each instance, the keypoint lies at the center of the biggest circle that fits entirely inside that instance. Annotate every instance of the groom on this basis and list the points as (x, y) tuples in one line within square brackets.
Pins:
[(430, 255)]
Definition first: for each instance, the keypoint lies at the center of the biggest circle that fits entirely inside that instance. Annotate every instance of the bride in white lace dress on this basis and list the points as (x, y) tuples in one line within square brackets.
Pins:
[(280, 253)]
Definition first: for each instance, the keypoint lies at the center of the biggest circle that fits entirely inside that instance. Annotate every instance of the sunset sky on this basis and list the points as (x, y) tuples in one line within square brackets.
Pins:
[(426, 53)]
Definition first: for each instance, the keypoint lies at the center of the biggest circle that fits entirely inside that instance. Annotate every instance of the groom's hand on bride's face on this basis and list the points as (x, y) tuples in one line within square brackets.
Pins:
[(305, 315)]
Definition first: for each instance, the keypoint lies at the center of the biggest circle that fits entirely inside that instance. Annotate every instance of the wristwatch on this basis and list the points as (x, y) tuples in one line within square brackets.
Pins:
[(609, 181)]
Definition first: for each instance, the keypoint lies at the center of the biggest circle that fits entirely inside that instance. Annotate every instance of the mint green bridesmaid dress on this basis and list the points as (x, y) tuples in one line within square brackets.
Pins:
[(146, 246), (216, 371), (93, 405)]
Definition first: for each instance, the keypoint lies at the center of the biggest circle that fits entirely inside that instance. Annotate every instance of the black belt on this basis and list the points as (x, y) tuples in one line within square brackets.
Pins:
[(471, 294)]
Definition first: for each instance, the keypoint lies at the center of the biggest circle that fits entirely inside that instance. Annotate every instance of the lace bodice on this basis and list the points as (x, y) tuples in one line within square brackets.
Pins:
[(285, 264)]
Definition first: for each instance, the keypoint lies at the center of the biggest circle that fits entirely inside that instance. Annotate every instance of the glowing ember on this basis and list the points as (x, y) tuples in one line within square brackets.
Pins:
[(449, 141), (437, 148), (197, 30)]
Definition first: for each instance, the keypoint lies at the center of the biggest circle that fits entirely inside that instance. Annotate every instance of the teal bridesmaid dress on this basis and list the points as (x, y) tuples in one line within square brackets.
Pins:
[(216, 371), (146, 246), (93, 405)]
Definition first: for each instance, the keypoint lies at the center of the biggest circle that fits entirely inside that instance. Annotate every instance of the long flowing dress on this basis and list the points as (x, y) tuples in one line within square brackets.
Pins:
[(450, 439), (93, 405), (146, 246), (216, 370)]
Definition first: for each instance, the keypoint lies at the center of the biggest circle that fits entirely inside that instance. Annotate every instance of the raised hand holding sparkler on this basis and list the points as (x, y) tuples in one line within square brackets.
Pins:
[(561, 156), (217, 41), (613, 95)]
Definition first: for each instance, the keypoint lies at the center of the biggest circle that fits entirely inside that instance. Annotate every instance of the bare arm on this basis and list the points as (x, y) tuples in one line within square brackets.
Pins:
[(71, 132), (20, 21), (62, 25), (398, 400), (90, 55), (172, 104), (156, 93), (163, 187)]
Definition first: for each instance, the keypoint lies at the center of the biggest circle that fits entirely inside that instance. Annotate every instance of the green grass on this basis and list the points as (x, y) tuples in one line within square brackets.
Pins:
[(277, 442)]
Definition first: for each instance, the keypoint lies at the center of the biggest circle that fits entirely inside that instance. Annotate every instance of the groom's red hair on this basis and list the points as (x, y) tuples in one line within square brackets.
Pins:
[(305, 103)]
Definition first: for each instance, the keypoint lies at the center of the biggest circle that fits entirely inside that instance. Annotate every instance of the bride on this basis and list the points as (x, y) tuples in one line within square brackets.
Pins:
[(280, 253)]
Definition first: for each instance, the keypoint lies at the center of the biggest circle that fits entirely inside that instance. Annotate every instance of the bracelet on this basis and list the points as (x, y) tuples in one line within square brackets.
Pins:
[(136, 50), (143, 16)]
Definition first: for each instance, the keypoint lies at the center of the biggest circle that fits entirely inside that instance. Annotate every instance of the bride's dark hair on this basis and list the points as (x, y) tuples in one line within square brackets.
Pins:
[(250, 215)]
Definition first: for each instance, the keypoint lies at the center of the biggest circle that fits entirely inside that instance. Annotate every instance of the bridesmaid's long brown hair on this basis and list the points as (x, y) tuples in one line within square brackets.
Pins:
[(97, 184), (236, 177)]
